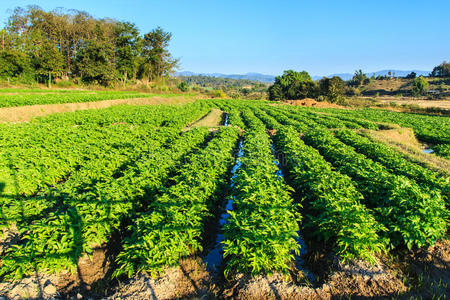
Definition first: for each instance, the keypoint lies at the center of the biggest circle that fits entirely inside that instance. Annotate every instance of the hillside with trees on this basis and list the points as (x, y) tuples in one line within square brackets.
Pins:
[(293, 85), (39, 46)]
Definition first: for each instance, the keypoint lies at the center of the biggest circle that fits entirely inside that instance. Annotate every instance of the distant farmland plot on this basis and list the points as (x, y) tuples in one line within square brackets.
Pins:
[(19, 97)]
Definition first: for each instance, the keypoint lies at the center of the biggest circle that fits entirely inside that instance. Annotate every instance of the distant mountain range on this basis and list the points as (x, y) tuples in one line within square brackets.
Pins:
[(271, 78), (248, 76)]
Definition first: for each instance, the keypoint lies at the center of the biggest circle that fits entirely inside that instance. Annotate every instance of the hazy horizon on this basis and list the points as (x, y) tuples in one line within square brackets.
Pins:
[(265, 37)]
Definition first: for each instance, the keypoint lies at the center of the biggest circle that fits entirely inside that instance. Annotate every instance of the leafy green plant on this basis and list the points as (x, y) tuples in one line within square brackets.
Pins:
[(395, 162), (173, 224), (261, 232), (337, 215), (414, 217)]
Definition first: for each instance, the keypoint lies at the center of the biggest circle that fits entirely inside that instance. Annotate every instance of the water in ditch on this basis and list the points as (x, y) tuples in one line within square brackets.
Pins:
[(427, 150), (299, 259), (225, 122), (214, 258)]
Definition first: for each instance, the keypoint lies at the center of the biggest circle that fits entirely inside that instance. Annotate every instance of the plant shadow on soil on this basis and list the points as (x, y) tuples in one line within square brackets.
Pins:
[(426, 271), (93, 276), (93, 273)]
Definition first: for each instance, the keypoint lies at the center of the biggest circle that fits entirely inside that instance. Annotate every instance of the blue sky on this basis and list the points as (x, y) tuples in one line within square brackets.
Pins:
[(321, 37)]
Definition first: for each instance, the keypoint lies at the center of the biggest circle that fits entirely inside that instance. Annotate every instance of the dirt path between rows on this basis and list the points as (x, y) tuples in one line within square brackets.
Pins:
[(28, 112), (212, 119)]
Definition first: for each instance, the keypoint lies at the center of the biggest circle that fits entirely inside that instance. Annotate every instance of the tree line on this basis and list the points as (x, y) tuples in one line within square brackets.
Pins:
[(299, 85), (294, 85), (44, 45)]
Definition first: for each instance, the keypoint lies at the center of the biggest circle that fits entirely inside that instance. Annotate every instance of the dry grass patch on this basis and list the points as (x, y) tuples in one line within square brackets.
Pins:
[(212, 119), (443, 104), (404, 140)]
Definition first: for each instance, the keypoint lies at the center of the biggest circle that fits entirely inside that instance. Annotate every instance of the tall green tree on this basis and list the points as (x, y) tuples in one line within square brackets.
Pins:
[(158, 60), (97, 50), (332, 89), (420, 86), (14, 64), (359, 78), (411, 75), (94, 63), (48, 62), (126, 50), (443, 70), (292, 85)]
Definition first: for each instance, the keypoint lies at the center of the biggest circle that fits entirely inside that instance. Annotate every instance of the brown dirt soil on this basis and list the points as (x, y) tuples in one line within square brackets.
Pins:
[(26, 113), (356, 279), (309, 102), (189, 280), (36, 287), (429, 271), (93, 269), (404, 140), (426, 273), (8, 236), (272, 132)]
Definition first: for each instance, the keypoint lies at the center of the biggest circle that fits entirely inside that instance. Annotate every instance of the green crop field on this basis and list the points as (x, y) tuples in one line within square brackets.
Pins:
[(132, 181), (21, 97)]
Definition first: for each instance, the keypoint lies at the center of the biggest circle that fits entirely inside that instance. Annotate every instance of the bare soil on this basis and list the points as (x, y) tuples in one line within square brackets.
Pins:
[(37, 287), (309, 102), (26, 113), (421, 274), (356, 279), (429, 271), (189, 280), (91, 271)]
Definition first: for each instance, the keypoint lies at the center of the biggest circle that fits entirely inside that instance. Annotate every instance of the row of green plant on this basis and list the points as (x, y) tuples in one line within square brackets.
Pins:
[(395, 162), (35, 156), (47, 152), (415, 217), (261, 231), (283, 119), (68, 219), (442, 150), (315, 118), (336, 214), (361, 122), (172, 225), (94, 210), (8, 100), (175, 116), (55, 226), (428, 129)]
